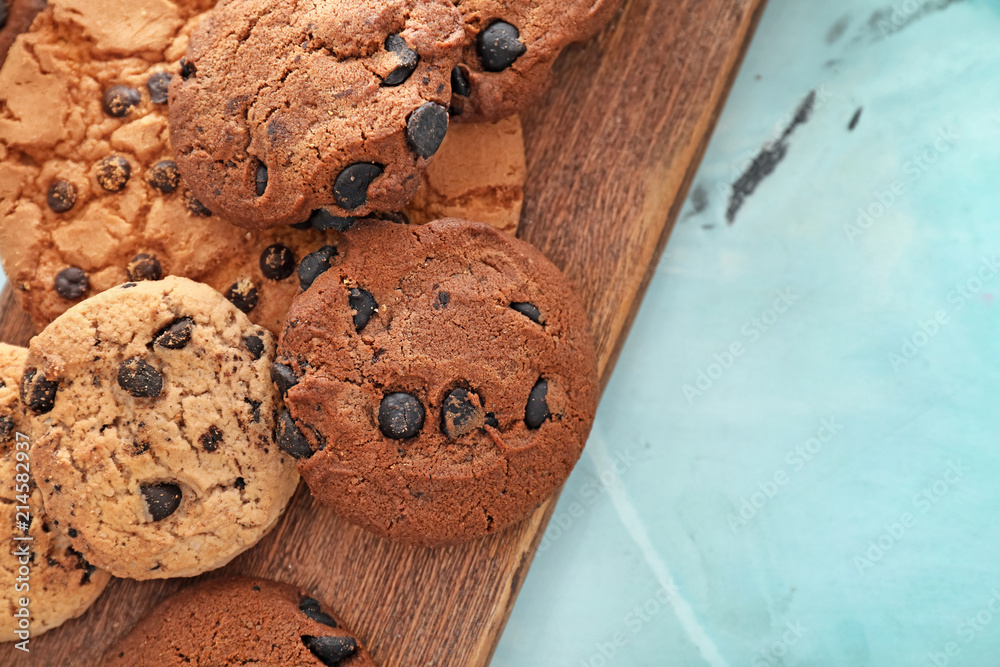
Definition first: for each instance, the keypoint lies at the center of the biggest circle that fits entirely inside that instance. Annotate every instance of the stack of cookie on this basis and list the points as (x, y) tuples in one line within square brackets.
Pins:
[(182, 183)]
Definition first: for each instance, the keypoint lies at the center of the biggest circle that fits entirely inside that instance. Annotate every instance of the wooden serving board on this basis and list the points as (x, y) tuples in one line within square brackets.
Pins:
[(611, 153)]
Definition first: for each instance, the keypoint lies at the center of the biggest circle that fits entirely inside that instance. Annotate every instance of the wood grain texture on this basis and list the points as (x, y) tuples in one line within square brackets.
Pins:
[(612, 150)]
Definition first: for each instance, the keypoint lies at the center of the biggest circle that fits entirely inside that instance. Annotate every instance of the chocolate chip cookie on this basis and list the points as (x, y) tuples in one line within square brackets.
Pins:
[(63, 237), (440, 381), (15, 17), (37, 564), (511, 47), (282, 109), (153, 413), (240, 621)]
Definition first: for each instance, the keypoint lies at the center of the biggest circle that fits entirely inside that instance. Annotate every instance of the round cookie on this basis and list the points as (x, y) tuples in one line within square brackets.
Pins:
[(15, 17), (510, 48), (239, 621), (153, 413), (281, 111), (440, 381), (57, 128), (37, 563)]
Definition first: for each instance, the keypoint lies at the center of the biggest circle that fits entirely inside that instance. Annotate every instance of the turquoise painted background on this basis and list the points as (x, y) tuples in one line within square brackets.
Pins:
[(826, 491)]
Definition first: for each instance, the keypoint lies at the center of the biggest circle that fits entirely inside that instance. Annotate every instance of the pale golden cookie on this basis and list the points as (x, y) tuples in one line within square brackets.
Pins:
[(153, 412), (38, 564)]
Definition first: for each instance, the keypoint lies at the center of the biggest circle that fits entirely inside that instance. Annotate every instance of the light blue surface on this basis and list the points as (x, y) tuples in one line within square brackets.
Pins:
[(828, 428)]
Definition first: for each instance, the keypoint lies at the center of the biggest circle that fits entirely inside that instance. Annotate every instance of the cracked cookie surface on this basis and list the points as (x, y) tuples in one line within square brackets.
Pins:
[(152, 412), (60, 583), (440, 381), (55, 131), (287, 106), (511, 47), (240, 621)]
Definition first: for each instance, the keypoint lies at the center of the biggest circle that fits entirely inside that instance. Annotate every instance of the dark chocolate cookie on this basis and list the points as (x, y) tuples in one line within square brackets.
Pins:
[(441, 380), (511, 47), (240, 621), (281, 111)]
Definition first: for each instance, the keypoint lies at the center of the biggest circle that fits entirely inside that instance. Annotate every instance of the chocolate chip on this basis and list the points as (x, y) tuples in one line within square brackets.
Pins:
[(119, 100), (537, 410), (162, 500), (113, 173), (498, 46), (408, 59), (444, 298), (491, 420), (351, 187), (331, 651), (211, 439), (254, 410), (305, 224), (260, 179), (72, 533), (322, 220), (290, 438), (187, 69), (61, 196), (277, 262), (461, 413), (6, 426), (158, 86), (243, 295), (529, 310), (241, 484), (255, 345), (139, 379), (283, 377), (425, 129), (364, 306), (195, 207), (314, 265), (71, 283), (144, 267), (312, 609), (460, 82), (176, 335), (400, 416), (164, 176)]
